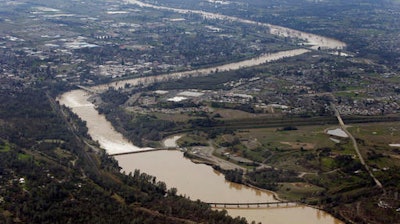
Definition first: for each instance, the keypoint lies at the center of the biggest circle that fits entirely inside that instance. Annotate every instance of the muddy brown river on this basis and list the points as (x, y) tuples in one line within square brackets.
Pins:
[(199, 181), (196, 181)]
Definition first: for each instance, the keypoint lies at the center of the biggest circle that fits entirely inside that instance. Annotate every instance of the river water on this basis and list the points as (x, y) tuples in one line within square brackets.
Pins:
[(199, 181), (312, 40), (205, 71), (99, 128), (196, 181)]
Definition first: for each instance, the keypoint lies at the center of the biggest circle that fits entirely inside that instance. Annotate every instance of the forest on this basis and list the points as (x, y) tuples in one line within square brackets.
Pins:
[(49, 175)]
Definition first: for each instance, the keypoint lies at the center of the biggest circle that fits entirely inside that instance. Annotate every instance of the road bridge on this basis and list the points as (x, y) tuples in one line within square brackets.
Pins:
[(248, 205), (88, 89), (141, 151)]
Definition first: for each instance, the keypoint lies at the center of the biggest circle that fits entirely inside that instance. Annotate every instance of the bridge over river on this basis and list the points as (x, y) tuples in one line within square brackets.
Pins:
[(249, 205), (142, 151), (88, 89)]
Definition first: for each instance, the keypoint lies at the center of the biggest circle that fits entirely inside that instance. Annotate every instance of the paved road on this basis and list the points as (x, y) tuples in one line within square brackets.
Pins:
[(355, 145)]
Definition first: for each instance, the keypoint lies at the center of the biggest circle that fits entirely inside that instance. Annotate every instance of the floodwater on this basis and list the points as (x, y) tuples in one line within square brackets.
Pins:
[(196, 181), (199, 181), (171, 141), (298, 215), (205, 71), (312, 40), (100, 129)]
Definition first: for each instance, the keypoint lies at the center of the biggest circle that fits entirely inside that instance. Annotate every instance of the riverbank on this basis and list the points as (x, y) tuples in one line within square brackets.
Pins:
[(225, 166), (178, 172), (175, 171), (145, 81), (312, 40)]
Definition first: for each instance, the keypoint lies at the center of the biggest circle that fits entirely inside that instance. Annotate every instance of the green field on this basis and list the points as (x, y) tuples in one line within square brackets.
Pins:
[(4, 146)]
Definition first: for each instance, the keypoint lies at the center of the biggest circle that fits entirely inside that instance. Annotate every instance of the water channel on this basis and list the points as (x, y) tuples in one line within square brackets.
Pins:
[(199, 181)]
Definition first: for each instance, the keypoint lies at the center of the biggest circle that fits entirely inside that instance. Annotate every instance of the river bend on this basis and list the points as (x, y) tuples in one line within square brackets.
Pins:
[(199, 181)]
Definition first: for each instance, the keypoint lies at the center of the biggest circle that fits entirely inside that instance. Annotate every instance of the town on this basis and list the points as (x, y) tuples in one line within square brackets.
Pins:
[(319, 127)]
